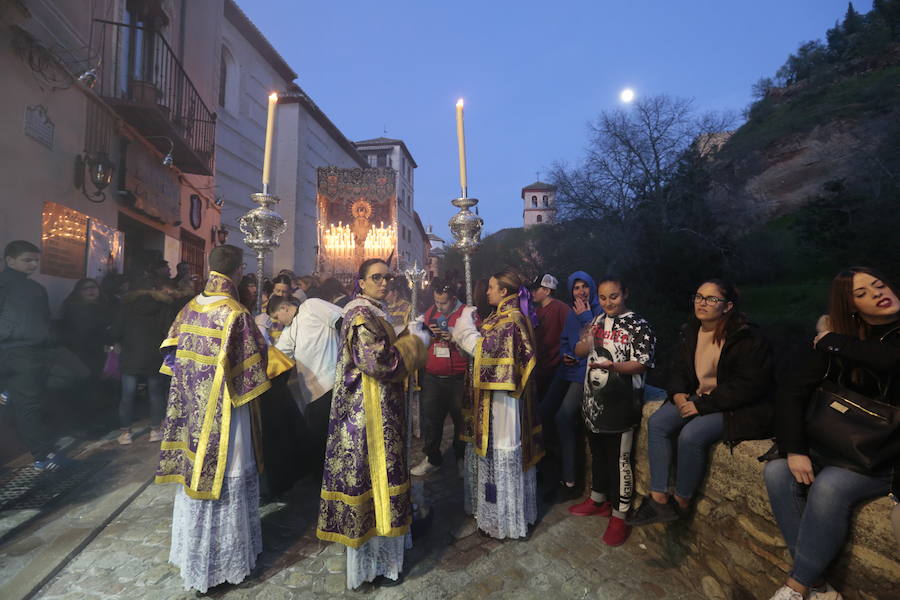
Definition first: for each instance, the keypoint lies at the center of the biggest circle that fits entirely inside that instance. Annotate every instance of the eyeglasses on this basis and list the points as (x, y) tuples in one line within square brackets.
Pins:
[(713, 300), (377, 277)]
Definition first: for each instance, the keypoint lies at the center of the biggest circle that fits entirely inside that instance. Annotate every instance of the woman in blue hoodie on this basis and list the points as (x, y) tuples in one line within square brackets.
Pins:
[(562, 405)]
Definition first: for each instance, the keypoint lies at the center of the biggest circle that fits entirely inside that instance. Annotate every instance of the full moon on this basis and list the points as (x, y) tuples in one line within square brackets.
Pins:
[(627, 95)]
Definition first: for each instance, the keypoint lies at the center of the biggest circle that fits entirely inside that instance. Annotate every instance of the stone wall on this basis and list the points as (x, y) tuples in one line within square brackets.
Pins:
[(732, 549)]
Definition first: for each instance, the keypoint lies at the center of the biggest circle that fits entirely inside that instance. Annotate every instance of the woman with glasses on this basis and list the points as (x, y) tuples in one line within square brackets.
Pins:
[(721, 378), (815, 485), (507, 433), (365, 502)]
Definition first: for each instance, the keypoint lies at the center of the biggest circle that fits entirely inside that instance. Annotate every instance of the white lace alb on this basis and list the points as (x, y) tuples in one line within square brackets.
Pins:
[(506, 496), (217, 541), (379, 556)]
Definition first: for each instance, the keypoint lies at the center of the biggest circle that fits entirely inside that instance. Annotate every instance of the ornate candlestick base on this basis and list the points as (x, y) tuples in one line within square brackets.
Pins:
[(466, 229), (262, 227)]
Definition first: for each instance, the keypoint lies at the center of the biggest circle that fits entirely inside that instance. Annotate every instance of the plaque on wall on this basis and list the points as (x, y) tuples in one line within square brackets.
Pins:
[(38, 125), (63, 241)]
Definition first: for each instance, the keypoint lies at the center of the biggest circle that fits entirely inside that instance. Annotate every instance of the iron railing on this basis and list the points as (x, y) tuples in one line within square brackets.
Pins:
[(143, 79)]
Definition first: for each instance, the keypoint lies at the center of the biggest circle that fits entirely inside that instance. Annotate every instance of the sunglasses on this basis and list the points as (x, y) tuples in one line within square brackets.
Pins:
[(378, 277)]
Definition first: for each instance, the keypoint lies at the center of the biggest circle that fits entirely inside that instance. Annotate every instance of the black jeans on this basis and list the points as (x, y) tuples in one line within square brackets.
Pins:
[(441, 395), (23, 372)]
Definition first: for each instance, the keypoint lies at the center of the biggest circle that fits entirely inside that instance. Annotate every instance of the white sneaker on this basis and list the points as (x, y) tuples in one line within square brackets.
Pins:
[(826, 592), (787, 593), (124, 438), (155, 435), (423, 468)]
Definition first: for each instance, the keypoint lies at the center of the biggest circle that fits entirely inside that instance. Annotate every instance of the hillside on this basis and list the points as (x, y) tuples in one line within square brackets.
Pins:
[(844, 126)]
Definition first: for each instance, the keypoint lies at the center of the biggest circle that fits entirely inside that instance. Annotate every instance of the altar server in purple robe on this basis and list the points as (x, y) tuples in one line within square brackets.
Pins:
[(505, 425), (365, 501), (217, 359)]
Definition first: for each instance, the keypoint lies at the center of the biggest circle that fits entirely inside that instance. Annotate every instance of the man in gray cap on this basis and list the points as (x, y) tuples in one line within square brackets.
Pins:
[(551, 315)]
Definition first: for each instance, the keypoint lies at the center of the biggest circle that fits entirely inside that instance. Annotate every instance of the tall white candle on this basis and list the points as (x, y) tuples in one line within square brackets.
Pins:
[(461, 140), (270, 134)]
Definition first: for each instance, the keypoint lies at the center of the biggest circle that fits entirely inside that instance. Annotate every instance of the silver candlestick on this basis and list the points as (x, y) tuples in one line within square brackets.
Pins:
[(466, 229), (261, 227), (414, 275)]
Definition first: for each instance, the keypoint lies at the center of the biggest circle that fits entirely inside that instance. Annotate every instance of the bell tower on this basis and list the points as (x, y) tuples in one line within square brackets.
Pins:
[(539, 204)]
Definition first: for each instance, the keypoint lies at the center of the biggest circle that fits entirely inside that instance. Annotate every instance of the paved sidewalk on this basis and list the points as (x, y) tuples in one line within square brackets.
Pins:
[(37, 541), (564, 558)]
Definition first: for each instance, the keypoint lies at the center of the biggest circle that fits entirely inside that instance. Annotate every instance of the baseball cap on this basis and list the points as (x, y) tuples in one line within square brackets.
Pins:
[(546, 280)]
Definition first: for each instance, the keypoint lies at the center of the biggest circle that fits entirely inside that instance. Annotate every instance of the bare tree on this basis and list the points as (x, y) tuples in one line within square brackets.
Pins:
[(633, 155)]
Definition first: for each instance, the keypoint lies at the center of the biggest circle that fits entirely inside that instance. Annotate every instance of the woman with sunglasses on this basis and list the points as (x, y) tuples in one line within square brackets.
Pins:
[(721, 378), (507, 433), (365, 502), (815, 486)]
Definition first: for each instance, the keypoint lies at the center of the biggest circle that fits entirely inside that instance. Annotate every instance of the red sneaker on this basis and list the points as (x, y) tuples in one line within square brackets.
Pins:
[(589, 508), (616, 532)]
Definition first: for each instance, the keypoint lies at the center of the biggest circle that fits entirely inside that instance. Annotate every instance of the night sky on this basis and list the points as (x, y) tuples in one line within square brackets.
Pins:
[(532, 74)]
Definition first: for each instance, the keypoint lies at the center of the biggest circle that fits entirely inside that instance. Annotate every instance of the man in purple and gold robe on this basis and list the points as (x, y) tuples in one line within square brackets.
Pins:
[(217, 359), (365, 501)]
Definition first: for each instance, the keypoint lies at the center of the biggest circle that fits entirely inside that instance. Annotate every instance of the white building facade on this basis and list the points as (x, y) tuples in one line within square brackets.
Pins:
[(305, 139)]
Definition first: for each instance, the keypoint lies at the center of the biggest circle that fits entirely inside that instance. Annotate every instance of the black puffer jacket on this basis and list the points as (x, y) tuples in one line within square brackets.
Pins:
[(877, 361), (140, 327), (744, 384)]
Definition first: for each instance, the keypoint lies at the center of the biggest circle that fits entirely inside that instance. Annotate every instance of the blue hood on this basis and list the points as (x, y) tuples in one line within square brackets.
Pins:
[(572, 329), (594, 301)]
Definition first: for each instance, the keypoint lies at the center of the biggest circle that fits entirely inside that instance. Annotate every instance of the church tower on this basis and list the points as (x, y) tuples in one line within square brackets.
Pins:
[(539, 204)]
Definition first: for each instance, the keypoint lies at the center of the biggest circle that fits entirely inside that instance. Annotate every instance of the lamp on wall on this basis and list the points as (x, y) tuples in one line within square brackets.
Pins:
[(100, 168)]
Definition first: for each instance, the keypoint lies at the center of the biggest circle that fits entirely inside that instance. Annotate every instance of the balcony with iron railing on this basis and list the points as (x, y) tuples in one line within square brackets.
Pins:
[(143, 80)]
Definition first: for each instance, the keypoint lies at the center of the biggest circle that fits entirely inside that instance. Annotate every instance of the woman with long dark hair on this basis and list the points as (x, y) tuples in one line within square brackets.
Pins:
[(507, 433), (86, 320), (819, 480), (719, 387), (365, 501)]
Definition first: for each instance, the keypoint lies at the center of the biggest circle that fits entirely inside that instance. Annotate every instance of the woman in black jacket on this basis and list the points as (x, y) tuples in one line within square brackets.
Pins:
[(815, 486), (140, 327), (721, 378), (85, 324)]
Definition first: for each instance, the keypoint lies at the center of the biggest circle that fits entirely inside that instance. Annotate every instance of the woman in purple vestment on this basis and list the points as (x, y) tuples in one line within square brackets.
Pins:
[(365, 502), (505, 427)]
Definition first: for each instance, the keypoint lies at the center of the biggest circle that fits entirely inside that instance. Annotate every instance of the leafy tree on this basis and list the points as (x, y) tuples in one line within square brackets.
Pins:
[(800, 66)]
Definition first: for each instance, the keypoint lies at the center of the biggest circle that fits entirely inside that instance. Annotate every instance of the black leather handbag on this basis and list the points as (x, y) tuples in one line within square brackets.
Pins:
[(859, 432)]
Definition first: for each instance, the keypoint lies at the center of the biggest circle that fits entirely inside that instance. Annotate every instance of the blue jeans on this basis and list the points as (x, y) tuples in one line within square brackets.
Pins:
[(693, 435), (814, 518), (157, 385)]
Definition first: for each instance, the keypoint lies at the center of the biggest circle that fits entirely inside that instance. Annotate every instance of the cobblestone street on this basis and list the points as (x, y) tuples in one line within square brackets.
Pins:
[(563, 559)]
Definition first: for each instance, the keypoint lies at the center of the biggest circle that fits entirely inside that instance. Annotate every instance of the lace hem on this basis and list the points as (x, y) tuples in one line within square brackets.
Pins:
[(217, 541), (379, 556), (506, 497)]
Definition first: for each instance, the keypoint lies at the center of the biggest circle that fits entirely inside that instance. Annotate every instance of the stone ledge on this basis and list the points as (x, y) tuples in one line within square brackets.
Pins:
[(732, 549)]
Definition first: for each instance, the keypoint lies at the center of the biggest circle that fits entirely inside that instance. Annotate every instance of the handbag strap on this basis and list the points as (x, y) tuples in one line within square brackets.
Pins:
[(842, 374)]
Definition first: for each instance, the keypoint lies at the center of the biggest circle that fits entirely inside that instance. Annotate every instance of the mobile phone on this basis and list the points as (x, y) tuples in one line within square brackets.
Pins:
[(569, 356)]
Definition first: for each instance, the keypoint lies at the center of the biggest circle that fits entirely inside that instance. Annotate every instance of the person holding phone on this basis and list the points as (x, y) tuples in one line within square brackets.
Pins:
[(444, 380), (561, 405)]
